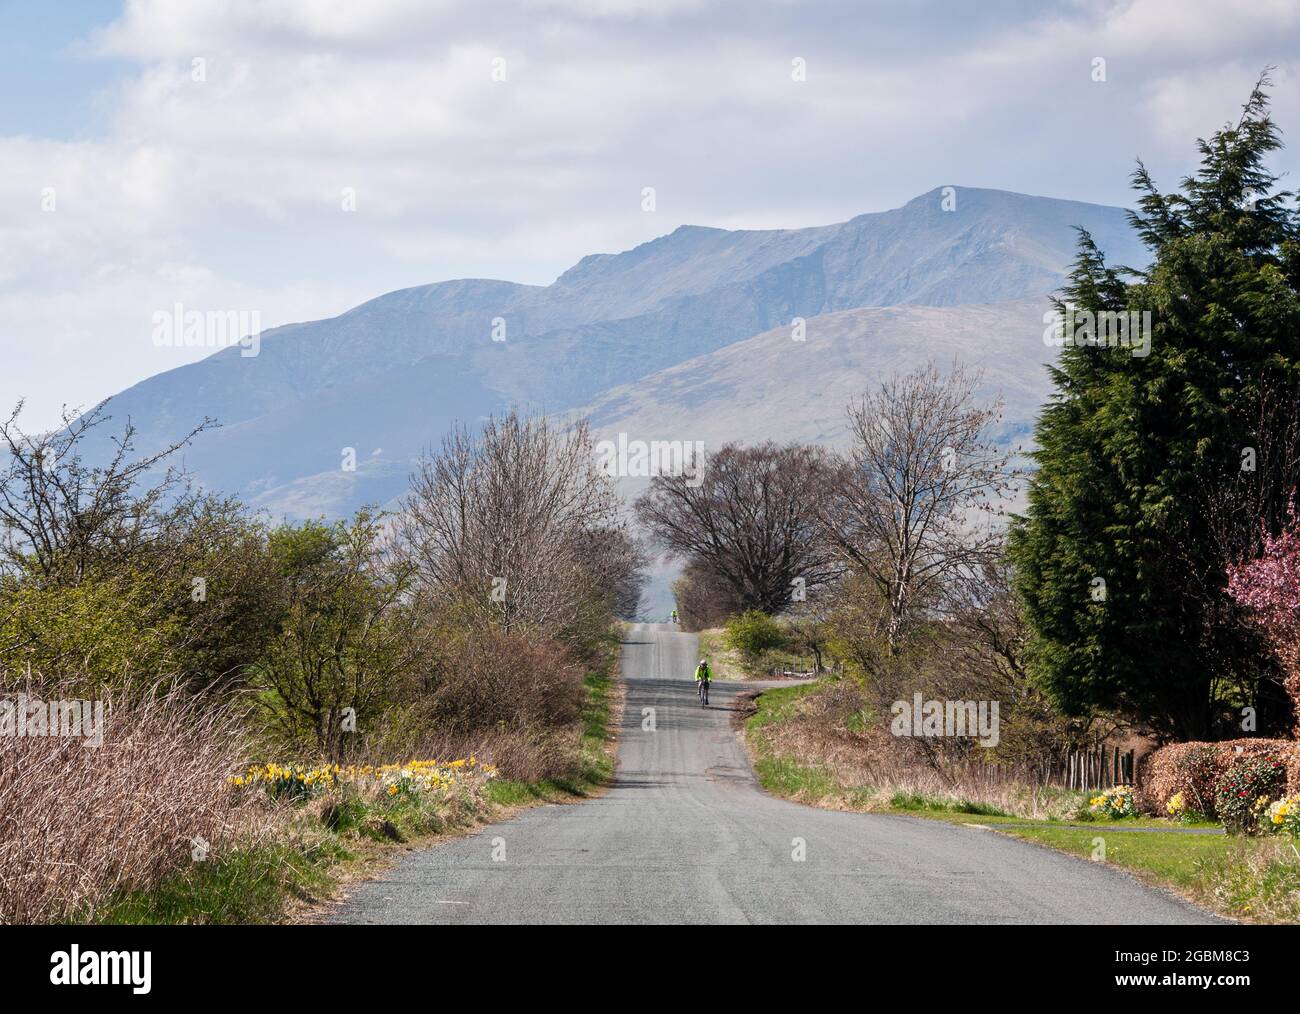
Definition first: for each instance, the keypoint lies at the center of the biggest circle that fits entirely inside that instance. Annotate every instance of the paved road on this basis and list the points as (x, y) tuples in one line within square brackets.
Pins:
[(686, 836)]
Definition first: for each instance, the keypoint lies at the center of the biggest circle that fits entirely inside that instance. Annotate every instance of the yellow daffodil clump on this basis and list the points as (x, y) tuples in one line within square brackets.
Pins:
[(411, 778), (1114, 802), (1284, 816)]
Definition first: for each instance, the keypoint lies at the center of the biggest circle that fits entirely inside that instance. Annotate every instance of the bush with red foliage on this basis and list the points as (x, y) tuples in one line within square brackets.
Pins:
[(1194, 769)]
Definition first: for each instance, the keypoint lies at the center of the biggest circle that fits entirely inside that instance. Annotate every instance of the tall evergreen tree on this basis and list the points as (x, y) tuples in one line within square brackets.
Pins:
[(1121, 576)]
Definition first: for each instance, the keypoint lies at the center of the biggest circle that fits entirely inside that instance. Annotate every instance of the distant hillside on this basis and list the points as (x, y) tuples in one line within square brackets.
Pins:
[(772, 387)]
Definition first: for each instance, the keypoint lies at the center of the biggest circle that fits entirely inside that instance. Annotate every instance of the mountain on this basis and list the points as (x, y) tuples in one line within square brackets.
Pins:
[(771, 387), (699, 317)]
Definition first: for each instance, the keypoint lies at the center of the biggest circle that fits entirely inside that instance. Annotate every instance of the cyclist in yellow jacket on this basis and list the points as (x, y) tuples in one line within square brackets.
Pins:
[(703, 676)]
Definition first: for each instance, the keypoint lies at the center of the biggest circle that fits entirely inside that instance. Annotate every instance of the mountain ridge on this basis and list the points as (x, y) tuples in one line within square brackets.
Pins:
[(395, 372)]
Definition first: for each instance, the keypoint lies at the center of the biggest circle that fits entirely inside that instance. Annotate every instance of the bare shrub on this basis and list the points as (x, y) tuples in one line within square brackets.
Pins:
[(514, 700), (529, 755), (79, 824), (703, 599), (525, 754), (833, 731), (62, 520), (514, 526), (492, 680)]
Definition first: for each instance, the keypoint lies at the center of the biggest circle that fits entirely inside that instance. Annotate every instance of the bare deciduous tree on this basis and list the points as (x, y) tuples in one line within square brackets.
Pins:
[(615, 562), (517, 526), (749, 522), (902, 508), (1241, 499), (61, 517), (703, 599)]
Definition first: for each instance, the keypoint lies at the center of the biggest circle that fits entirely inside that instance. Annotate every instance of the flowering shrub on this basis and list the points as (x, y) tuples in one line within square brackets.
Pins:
[(1270, 587), (1284, 817), (1245, 791), (1115, 802)]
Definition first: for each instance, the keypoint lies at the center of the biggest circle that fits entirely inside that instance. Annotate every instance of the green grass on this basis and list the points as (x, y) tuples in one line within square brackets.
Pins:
[(1248, 878), (1174, 858), (1093, 824), (1260, 882), (781, 774), (779, 704), (597, 757), (248, 885), (254, 884), (911, 801), (786, 777)]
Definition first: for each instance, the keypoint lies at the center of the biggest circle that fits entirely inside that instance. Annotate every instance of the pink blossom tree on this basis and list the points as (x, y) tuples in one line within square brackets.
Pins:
[(1269, 585)]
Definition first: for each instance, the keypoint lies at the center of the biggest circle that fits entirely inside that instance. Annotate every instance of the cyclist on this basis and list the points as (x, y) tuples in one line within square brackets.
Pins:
[(674, 615), (703, 674)]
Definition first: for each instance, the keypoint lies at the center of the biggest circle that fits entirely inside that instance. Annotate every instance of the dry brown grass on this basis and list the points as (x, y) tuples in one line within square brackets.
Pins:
[(1259, 879), (79, 824), (867, 768), (528, 755)]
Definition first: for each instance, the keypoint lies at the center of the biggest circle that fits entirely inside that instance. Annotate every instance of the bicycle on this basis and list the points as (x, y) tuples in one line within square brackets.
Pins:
[(702, 690)]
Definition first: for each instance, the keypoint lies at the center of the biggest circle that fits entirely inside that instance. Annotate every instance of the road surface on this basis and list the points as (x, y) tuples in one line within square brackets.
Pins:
[(685, 835)]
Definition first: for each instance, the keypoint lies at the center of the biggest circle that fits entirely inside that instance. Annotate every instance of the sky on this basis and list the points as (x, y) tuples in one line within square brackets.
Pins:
[(297, 157)]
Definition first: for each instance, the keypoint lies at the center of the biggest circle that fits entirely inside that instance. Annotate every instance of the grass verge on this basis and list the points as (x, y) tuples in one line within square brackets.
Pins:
[(1253, 879), (729, 664), (726, 663), (245, 885), (596, 748), (302, 858)]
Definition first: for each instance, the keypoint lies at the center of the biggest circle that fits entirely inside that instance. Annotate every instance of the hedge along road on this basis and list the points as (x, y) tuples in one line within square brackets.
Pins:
[(685, 835)]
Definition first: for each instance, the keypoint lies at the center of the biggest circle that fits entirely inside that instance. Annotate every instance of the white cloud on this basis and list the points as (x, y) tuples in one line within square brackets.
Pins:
[(226, 192)]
